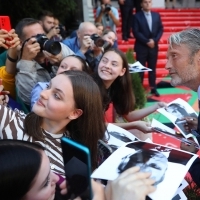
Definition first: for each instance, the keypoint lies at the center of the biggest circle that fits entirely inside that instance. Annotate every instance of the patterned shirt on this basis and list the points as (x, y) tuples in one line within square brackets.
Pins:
[(12, 127)]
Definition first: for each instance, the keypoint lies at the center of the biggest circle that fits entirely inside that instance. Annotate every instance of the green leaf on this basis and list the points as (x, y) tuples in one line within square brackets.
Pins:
[(140, 95)]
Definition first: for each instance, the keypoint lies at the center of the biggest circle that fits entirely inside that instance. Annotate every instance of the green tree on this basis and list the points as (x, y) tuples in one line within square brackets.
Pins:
[(138, 89), (18, 9)]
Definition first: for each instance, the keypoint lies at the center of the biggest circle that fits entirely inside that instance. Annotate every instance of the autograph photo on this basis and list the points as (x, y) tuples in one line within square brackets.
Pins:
[(176, 111), (165, 164), (138, 67)]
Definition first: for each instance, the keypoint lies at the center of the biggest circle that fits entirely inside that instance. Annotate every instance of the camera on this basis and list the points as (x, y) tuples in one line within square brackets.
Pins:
[(98, 41), (106, 46), (50, 46), (107, 7)]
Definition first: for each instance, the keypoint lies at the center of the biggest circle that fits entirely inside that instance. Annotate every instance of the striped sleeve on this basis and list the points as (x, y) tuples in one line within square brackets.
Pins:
[(11, 126)]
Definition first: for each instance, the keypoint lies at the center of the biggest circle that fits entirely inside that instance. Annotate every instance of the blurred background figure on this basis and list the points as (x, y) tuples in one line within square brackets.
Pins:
[(107, 15), (110, 36), (47, 20), (126, 8), (100, 28), (56, 21), (147, 29), (168, 3)]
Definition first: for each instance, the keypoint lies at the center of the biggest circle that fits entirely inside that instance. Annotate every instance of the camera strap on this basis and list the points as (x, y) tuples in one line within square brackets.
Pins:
[(48, 66), (20, 56)]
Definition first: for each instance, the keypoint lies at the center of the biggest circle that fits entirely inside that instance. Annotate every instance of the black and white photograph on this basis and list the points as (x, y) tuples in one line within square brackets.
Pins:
[(161, 128), (148, 161), (138, 67), (163, 162), (179, 195), (117, 136), (176, 111)]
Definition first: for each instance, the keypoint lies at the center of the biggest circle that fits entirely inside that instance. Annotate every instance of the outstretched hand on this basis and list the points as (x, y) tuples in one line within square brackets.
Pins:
[(53, 59), (190, 148), (143, 126), (161, 104), (191, 123), (131, 184)]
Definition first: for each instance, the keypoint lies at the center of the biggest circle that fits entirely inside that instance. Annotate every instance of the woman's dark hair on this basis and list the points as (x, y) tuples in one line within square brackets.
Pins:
[(121, 91), (20, 162), (98, 24), (90, 126), (85, 66), (106, 31)]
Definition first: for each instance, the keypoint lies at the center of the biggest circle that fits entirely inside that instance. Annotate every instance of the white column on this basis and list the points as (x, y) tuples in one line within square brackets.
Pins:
[(158, 4), (88, 15)]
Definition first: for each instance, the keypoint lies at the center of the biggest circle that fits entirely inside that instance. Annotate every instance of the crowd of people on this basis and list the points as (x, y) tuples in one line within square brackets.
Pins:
[(67, 85)]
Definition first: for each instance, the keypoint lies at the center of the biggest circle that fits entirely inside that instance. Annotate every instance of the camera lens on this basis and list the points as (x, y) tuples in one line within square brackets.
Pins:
[(107, 7), (106, 46), (99, 42), (52, 47)]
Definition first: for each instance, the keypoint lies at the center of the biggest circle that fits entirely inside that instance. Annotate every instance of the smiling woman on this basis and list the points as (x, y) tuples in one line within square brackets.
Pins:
[(71, 107), (71, 62), (114, 81)]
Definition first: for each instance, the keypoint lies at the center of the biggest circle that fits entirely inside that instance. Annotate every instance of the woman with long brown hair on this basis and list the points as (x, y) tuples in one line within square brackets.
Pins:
[(115, 84), (70, 106)]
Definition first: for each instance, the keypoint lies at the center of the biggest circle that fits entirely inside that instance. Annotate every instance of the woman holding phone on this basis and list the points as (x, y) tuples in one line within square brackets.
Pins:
[(25, 172), (25, 175)]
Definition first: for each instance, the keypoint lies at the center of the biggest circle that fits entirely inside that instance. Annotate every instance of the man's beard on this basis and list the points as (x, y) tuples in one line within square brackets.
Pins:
[(46, 30), (186, 79)]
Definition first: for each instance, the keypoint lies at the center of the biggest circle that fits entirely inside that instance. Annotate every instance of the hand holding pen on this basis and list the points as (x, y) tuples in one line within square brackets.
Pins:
[(190, 123), (189, 147)]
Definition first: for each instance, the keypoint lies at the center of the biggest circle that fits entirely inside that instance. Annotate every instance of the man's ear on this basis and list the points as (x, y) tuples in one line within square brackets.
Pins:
[(78, 33), (122, 72), (75, 114)]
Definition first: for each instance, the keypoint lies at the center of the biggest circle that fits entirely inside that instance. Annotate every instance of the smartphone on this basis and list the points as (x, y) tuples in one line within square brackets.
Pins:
[(5, 23), (77, 165)]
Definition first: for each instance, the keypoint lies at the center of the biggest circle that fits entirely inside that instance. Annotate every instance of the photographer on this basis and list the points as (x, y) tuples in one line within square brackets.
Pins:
[(62, 30), (47, 20), (107, 15), (85, 45), (36, 58)]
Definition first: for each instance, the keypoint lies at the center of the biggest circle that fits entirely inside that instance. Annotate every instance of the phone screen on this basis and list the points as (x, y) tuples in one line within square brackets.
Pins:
[(77, 166), (5, 23)]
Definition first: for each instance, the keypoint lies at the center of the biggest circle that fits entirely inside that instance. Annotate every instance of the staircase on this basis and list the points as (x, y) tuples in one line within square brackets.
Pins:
[(174, 20)]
